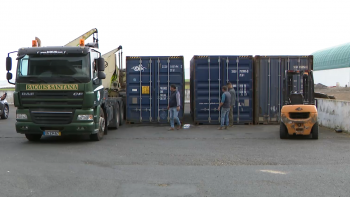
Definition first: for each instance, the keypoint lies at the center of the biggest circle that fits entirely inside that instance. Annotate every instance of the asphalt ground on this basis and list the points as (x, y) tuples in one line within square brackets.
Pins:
[(135, 160)]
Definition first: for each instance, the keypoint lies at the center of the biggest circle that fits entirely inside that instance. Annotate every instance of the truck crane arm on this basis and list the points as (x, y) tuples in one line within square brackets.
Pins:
[(39, 41), (85, 36), (111, 69)]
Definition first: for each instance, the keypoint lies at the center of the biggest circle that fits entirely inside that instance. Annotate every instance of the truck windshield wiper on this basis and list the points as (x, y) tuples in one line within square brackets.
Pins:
[(70, 78)]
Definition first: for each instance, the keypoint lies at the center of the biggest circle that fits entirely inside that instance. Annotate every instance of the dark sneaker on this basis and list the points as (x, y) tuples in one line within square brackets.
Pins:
[(171, 129), (179, 127)]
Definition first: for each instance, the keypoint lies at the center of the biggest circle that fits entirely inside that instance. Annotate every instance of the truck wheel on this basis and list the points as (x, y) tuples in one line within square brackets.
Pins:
[(121, 109), (116, 118), (106, 125), (5, 113), (101, 127), (314, 131), (283, 131), (33, 137)]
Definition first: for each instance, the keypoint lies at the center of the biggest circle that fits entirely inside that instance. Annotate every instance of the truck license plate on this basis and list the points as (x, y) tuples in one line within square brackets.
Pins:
[(52, 133)]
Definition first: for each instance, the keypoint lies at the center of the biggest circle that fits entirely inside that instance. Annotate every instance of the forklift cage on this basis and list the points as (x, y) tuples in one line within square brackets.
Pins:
[(292, 97)]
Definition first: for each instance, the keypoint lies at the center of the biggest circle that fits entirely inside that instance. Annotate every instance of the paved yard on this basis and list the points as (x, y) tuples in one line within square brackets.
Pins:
[(151, 161)]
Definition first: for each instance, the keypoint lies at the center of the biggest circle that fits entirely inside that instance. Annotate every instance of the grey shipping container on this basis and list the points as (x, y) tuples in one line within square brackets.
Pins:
[(269, 72)]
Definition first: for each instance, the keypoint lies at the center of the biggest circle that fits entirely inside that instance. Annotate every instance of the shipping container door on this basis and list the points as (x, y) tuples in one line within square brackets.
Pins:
[(169, 70), (191, 89), (239, 71), (264, 89), (271, 88), (139, 89), (207, 91), (270, 72)]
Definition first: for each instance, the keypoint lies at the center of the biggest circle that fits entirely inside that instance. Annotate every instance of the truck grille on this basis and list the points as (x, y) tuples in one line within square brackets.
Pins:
[(52, 98), (47, 117), (299, 115), (51, 102), (52, 94)]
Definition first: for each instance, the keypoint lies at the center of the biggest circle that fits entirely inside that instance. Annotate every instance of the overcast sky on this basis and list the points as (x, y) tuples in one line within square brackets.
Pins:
[(179, 27)]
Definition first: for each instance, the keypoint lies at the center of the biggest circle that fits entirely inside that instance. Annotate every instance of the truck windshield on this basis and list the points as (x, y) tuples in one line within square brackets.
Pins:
[(53, 69)]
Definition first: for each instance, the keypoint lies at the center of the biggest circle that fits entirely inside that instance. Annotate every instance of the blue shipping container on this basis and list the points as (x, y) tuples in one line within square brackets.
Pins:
[(208, 75), (148, 80), (269, 72)]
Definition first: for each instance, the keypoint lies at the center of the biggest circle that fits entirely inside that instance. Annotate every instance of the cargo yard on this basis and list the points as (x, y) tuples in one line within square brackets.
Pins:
[(180, 98), (137, 154), (275, 99)]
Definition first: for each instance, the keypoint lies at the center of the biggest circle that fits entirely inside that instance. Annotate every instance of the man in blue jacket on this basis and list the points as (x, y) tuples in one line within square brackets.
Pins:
[(174, 107), (224, 107)]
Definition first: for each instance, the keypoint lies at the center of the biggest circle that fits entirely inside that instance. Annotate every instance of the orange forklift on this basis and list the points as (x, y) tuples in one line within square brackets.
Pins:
[(299, 112)]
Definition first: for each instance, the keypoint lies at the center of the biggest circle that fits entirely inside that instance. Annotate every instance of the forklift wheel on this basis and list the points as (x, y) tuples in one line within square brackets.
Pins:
[(314, 131), (283, 131)]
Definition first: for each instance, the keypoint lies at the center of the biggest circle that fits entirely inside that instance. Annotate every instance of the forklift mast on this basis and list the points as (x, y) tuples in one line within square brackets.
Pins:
[(295, 97)]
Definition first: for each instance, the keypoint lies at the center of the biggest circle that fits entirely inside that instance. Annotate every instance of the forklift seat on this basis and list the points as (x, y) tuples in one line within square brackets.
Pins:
[(296, 99)]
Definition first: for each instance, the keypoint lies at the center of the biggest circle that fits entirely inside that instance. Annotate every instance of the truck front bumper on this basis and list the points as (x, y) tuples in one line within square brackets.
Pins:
[(75, 127), (84, 128)]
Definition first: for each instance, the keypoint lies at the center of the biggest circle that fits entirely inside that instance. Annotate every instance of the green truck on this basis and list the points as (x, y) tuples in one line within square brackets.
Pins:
[(67, 90)]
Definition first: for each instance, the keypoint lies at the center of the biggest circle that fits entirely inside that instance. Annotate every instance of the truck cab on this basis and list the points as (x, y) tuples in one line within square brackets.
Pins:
[(59, 91)]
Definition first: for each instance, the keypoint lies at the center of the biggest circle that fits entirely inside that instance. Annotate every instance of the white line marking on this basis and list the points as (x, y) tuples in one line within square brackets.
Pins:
[(273, 172)]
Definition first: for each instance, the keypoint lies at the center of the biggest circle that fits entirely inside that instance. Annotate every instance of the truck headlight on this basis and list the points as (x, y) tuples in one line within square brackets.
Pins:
[(21, 116), (85, 117)]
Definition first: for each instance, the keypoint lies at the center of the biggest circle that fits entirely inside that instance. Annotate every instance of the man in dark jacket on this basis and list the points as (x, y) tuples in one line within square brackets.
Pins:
[(232, 91), (224, 107), (174, 107)]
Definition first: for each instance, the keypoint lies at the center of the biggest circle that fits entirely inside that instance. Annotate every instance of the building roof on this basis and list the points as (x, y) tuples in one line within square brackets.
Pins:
[(332, 58)]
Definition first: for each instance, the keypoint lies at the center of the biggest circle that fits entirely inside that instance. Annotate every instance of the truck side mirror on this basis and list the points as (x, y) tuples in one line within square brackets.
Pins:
[(101, 75), (8, 63), (100, 64), (8, 76)]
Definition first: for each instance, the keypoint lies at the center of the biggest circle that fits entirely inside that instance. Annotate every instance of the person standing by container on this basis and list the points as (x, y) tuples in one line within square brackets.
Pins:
[(174, 107), (224, 107), (232, 92)]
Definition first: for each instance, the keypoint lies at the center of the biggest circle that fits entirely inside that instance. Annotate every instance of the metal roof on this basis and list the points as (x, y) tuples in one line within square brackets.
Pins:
[(332, 58)]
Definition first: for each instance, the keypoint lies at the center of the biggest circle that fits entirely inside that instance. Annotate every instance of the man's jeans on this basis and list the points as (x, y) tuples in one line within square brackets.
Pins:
[(224, 116), (231, 115), (173, 115)]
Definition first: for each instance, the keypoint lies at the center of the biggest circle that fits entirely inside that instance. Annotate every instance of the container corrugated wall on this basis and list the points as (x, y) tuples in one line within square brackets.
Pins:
[(269, 72), (208, 75), (148, 81)]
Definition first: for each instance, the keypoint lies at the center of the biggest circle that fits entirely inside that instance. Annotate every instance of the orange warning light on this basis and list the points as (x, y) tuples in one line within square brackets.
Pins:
[(34, 43), (82, 42)]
